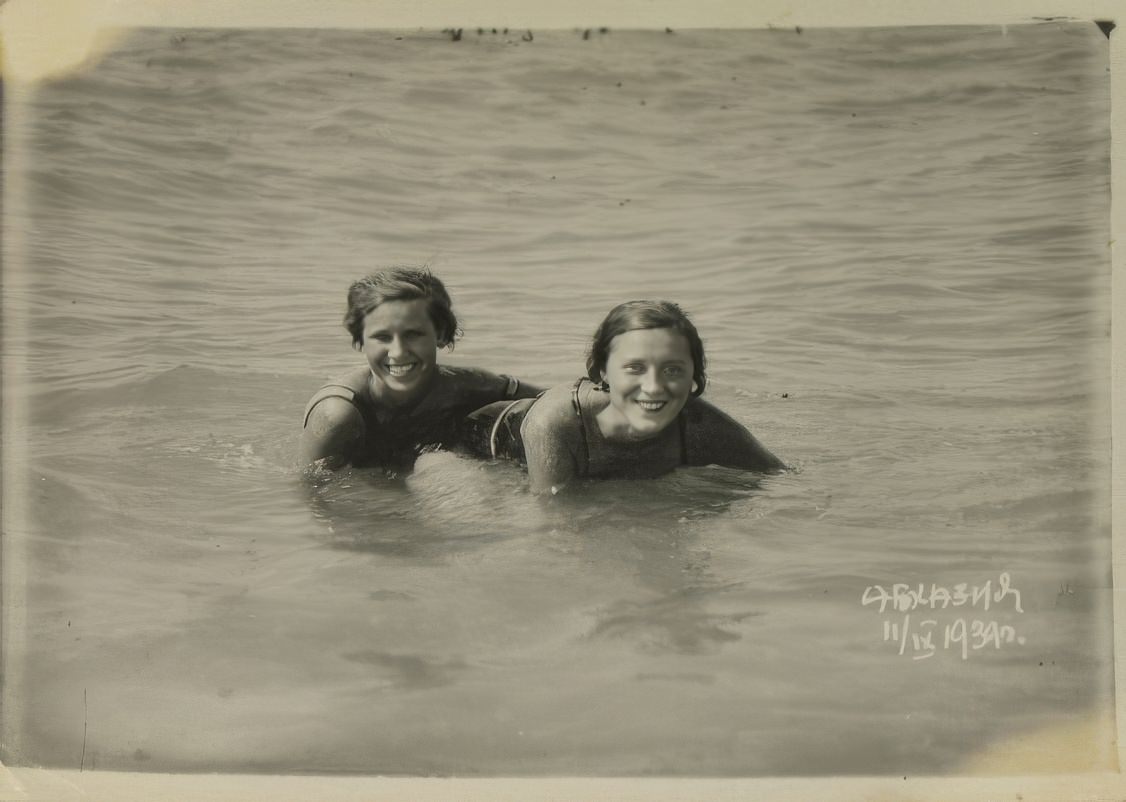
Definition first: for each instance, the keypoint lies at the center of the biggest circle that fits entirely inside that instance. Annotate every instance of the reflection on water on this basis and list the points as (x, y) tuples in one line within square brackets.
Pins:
[(675, 622)]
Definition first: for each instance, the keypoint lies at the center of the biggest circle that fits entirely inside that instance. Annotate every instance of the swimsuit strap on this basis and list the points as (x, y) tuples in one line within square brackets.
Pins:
[(329, 391), (582, 423), (575, 396)]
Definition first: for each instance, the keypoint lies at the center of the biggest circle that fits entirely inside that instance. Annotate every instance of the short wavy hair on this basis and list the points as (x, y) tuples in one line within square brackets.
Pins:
[(635, 315), (401, 284)]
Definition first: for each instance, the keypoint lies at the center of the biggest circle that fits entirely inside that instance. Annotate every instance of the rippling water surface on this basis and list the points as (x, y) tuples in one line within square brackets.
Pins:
[(893, 240)]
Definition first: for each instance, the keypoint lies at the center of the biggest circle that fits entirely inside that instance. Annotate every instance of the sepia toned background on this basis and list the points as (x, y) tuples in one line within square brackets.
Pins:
[(893, 242)]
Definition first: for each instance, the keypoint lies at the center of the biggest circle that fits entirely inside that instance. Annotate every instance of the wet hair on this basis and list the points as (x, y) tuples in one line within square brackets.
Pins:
[(401, 284), (635, 315)]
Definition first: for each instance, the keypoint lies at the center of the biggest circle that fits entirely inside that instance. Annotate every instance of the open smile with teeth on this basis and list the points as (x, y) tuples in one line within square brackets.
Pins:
[(652, 406), (399, 370)]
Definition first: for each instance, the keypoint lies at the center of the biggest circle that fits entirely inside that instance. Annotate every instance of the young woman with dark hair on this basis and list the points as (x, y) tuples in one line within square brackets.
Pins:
[(403, 402), (636, 414)]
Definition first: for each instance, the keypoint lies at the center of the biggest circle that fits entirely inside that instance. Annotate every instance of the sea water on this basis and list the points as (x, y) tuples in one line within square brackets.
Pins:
[(894, 242)]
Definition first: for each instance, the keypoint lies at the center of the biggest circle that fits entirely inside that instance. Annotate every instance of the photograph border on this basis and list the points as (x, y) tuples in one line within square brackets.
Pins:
[(49, 37)]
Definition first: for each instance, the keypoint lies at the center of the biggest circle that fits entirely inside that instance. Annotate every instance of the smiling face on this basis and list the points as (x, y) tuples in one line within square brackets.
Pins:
[(401, 346), (649, 372)]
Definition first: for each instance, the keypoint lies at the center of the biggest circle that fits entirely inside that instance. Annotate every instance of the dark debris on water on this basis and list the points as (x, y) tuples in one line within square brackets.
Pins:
[(455, 34)]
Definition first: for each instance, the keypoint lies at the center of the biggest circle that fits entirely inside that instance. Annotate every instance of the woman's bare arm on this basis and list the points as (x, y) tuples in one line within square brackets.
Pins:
[(715, 438), (332, 434), (552, 435)]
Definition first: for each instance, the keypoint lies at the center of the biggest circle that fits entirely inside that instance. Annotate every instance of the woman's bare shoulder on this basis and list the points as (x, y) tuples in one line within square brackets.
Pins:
[(333, 430), (554, 410)]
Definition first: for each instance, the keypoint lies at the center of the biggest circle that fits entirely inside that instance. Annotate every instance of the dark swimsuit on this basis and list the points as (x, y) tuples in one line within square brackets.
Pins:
[(396, 439), (494, 431)]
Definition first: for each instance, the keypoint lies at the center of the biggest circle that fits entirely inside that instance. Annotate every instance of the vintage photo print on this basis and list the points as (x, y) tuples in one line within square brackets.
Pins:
[(892, 238)]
